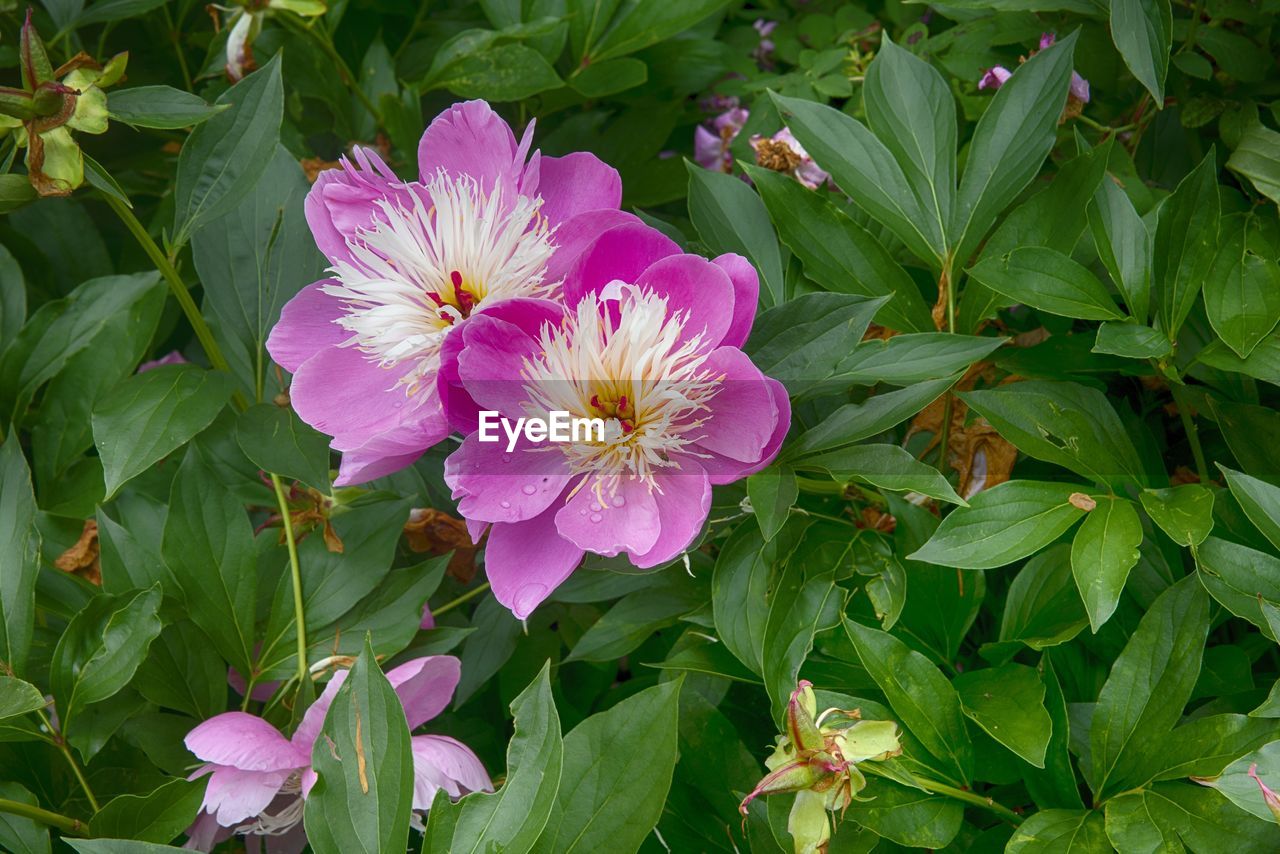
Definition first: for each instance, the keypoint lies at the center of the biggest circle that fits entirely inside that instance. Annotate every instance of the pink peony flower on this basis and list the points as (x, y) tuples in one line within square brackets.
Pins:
[(171, 358), (412, 261), (711, 145), (994, 78), (782, 152), (258, 779), (648, 341)]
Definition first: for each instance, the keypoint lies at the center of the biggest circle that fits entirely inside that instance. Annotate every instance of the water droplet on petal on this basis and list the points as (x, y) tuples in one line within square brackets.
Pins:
[(528, 489), (597, 506), (582, 512), (596, 517), (618, 501), (505, 504)]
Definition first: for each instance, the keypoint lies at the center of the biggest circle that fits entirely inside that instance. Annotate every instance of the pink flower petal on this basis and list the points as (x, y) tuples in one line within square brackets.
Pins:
[(425, 686), (683, 505), (525, 561), (746, 296), (621, 253), (495, 485), (724, 470), (235, 795), (306, 327), (606, 524), (440, 762), (577, 183), (694, 285), (304, 737), (743, 414), (343, 200), (576, 233), (492, 358), (471, 139), (243, 741)]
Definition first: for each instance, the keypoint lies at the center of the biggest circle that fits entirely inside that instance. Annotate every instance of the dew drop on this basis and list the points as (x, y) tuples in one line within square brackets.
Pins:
[(597, 506), (505, 505), (596, 517), (617, 501), (528, 489)]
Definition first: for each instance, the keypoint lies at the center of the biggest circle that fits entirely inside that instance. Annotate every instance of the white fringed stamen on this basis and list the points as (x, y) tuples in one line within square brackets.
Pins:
[(423, 265), (652, 388)]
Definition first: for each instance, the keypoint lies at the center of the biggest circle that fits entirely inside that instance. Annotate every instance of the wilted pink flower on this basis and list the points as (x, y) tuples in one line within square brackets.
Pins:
[(412, 261), (258, 779), (648, 342), (172, 358), (1268, 796), (994, 78), (782, 152), (763, 50), (711, 146), (1079, 86)]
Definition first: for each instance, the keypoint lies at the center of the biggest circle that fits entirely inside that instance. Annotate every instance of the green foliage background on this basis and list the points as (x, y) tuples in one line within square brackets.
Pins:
[(1082, 658)]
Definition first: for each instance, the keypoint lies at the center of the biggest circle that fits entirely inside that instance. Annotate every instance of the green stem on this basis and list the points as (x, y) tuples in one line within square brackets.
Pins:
[(1099, 126), (179, 289), (299, 613), (971, 798), (322, 38), (461, 600), (61, 743), (819, 487), (1193, 434), (69, 826), (944, 432), (176, 38)]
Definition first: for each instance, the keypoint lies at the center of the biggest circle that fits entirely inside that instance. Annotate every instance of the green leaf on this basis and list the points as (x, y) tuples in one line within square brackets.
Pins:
[(1131, 826), (1043, 608), (120, 846), (225, 156), (155, 817), (1204, 746), (838, 253), (738, 589), (1055, 786), (19, 557), (1143, 33), (1105, 548), (1185, 512), (1185, 245), (866, 170), (208, 545), (1263, 362), (1048, 280), (772, 491), (911, 110), (183, 671), (512, 818), (150, 415), (1242, 291), (795, 608), (22, 835), (505, 72), (1195, 816), (104, 11), (1132, 341), (251, 260), (912, 358), (731, 218), (1259, 500), (18, 697), (1060, 832), (1010, 143), (1257, 157), (617, 770), (101, 648), (1246, 582), (600, 80), (161, 107), (635, 617), (885, 466), (800, 342), (905, 815), (922, 698), (1241, 789), (639, 25), (276, 440), (363, 760), (1124, 246), (1065, 423), (1149, 685), (1008, 702), (1002, 524), (856, 421)]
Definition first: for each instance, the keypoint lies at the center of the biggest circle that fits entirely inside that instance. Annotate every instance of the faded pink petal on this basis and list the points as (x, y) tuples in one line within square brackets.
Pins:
[(425, 686), (235, 795), (994, 78), (171, 358), (440, 762), (243, 741)]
